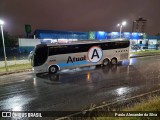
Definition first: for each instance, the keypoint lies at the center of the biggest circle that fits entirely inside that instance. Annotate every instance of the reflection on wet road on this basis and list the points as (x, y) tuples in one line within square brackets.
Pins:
[(77, 89)]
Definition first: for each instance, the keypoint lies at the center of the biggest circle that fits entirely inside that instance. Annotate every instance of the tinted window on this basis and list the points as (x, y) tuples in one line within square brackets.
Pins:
[(122, 44), (66, 49), (114, 45), (60, 49)]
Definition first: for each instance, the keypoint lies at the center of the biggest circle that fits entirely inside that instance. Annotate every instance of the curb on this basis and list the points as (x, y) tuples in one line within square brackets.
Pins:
[(8, 73), (143, 55)]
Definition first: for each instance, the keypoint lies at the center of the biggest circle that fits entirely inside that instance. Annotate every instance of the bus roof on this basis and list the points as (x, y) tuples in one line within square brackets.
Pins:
[(86, 41)]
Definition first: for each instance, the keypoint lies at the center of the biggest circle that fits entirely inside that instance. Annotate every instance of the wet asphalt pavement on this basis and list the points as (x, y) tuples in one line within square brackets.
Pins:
[(77, 89)]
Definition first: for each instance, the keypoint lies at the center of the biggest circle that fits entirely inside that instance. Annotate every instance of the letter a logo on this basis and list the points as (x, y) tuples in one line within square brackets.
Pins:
[(95, 54)]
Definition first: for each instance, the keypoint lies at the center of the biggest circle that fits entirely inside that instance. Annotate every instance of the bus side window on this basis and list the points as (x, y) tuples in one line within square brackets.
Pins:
[(111, 45), (106, 45), (53, 50), (122, 44), (76, 47), (63, 50), (84, 47), (99, 45)]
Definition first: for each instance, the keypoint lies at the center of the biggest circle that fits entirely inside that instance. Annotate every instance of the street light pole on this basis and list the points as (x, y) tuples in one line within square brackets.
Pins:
[(5, 58), (121, 25), (120, 31)]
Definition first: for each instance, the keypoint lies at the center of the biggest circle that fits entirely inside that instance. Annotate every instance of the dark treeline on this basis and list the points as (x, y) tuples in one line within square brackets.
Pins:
[(9, 40)]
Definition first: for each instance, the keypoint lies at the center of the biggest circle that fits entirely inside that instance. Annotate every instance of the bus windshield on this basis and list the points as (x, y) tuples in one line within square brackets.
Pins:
[(40, 55)]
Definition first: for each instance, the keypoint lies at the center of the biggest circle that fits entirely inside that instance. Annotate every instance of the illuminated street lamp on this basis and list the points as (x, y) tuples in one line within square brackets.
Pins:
[(5, 58), (121, 25)]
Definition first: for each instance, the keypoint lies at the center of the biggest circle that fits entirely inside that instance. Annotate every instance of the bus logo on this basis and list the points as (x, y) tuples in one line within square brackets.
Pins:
[(95, 54), (76, 59)]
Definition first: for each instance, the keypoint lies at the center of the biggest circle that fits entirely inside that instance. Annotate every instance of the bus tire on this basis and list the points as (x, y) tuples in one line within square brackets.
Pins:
[(53, 69), (105, 62), (114, 61)]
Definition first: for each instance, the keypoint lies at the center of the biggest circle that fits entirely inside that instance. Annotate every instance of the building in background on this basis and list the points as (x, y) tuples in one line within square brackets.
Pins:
[(54, 34), (139, 25), (26, 45)]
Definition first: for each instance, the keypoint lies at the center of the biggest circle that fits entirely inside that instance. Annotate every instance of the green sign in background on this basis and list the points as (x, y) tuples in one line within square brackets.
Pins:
[(28, 28), (92, 35)]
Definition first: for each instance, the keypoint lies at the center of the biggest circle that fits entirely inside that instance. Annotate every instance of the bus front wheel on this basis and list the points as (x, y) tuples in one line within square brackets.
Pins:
[(105, 62), (53, 69)]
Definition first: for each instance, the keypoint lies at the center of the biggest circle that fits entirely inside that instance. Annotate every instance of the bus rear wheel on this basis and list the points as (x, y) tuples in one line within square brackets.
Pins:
[(114, 61), (106, 62), (53, 69)]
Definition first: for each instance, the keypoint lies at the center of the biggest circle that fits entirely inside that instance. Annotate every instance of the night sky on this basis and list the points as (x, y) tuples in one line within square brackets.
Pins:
[(78, 15)]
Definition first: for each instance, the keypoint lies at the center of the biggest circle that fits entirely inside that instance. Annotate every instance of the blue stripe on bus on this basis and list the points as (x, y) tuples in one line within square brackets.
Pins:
[(64, 64)]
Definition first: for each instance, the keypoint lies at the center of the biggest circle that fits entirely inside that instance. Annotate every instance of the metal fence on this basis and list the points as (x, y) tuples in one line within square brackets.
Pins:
[(12, 52), (16, 60)]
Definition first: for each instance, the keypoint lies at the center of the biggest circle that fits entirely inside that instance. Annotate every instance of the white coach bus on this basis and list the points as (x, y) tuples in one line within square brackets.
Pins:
[(54, 57)]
